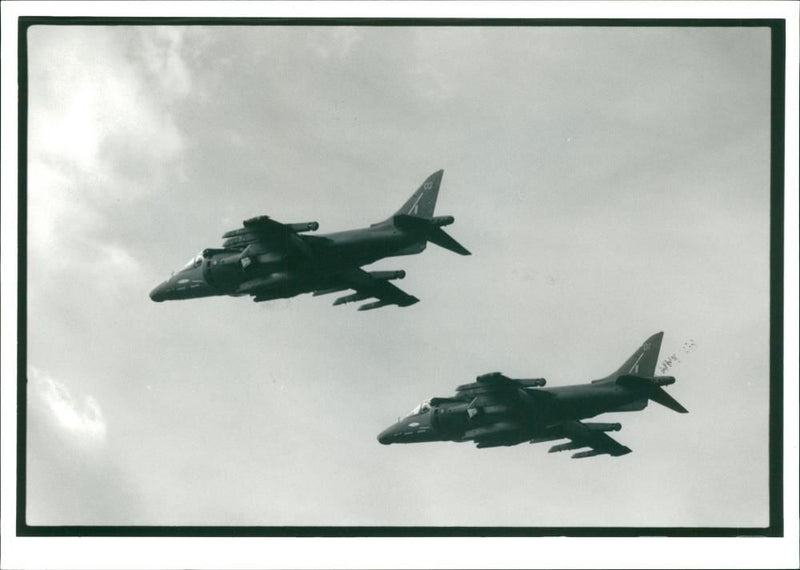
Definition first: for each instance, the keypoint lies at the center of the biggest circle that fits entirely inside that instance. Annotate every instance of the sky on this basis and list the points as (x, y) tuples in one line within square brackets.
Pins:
[(610, 182)]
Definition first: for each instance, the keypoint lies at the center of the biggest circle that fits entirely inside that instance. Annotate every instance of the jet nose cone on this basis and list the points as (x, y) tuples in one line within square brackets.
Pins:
[(157, 294), (385, 437)]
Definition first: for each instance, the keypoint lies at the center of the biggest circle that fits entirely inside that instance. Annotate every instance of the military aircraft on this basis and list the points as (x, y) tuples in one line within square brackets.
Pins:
[(270, 260), (500, 411)]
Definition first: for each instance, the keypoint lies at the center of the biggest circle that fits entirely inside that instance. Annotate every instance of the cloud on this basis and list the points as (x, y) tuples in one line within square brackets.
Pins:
[(103, 136), (86, 90), (162, 55), (101, 107), (68, 232), (75, 474), (81, 418), (120, 260), (337, 43), (431, 83), (301, 135), (54, 205)]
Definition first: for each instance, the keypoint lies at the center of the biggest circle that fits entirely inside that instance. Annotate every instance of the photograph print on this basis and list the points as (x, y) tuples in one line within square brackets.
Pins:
[(468, 278)]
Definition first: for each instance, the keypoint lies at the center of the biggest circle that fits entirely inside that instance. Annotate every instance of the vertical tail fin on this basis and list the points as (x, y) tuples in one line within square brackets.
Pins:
[(423, 201), (638, 375), (642, 362)]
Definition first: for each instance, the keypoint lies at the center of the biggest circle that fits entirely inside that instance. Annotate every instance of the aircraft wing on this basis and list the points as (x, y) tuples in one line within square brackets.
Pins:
[(499, 387), (500, 380), (590, 435), (265, 230), (368, 285)]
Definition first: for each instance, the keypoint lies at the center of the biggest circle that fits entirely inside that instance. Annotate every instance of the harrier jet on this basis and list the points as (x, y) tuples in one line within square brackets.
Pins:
[(499, 411), (270, 260)]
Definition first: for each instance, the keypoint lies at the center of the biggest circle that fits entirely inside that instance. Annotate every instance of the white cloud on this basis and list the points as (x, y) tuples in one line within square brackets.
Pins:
[(83, 418), (87, 91), (162, 53), (67, 127), (120, 260), (61, 223), (54, 206), (101, 133)]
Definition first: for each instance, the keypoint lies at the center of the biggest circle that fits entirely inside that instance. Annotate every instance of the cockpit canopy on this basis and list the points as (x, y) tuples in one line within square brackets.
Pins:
[(193, 262), (196, 261), (420, 409)]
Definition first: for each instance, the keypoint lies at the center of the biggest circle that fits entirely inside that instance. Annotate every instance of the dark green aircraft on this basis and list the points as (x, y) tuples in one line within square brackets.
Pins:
[(498, 411), (270, 260)]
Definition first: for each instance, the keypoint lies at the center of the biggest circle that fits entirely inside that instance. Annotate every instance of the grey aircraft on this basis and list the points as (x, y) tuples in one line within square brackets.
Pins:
[(270, 260), (499, 411)]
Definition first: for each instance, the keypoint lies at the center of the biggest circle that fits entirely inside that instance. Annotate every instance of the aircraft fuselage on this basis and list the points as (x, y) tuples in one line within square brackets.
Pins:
[(273, 272), (267, 259), (496, 410), (456, 420)]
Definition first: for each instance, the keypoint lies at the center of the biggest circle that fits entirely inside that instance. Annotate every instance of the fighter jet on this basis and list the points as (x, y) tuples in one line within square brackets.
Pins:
[(500, 411), (270, 260)]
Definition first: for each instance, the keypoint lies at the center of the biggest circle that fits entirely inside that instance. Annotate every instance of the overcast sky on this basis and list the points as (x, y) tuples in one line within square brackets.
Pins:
[(610, 182)]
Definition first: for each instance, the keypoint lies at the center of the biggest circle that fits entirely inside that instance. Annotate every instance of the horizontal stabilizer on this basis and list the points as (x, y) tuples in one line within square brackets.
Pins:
[(651, 388), (432, 231), (660, 395), (443, 239)]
